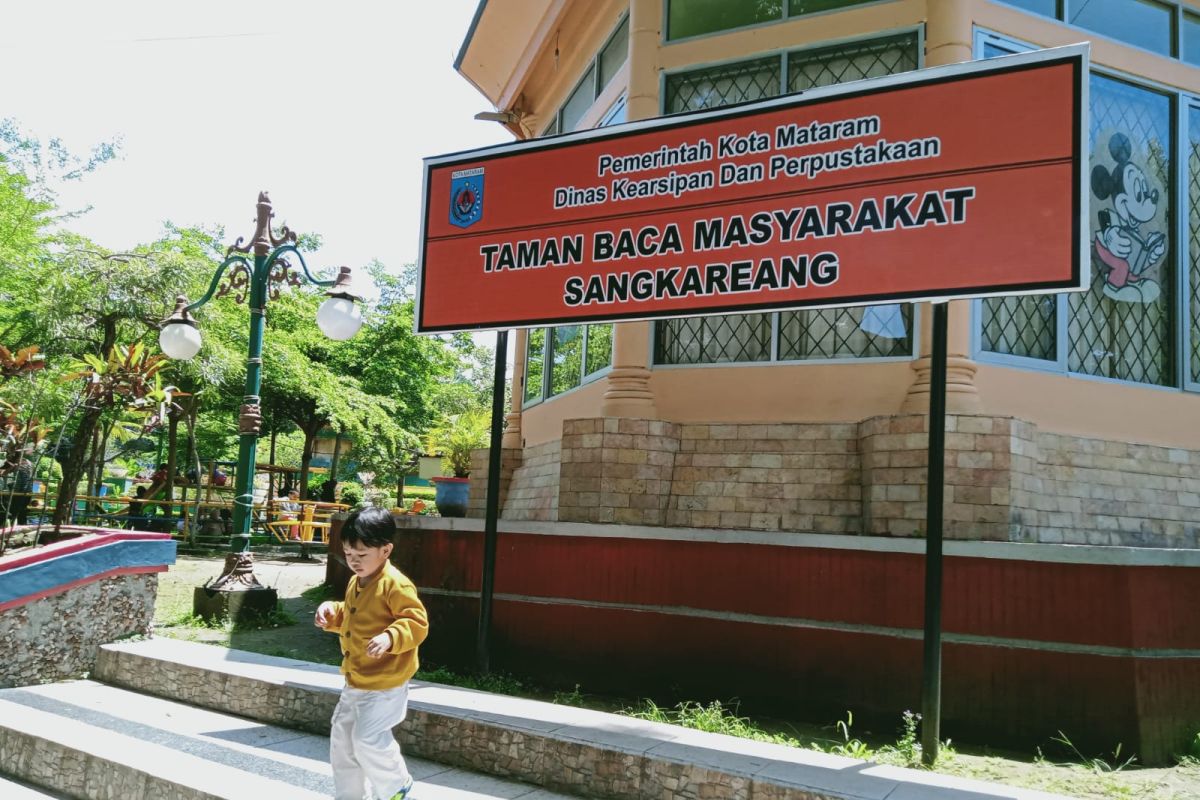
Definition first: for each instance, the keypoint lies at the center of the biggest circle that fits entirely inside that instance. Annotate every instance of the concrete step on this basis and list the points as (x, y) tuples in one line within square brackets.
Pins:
[(559, 747), (90, 740), (12, 789)]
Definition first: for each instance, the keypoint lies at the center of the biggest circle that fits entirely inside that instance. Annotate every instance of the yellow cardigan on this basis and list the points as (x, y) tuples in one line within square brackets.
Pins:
[(388, 603)]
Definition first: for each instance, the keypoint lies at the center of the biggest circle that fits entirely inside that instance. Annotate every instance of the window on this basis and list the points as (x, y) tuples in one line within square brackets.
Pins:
[(560, 359), (600, 72), (576, 354), (535, 364), (869, 332), (1193, 282), (1141, 23), (1190, 50), (695, 17), (1150, 24), (1127, 325), (1047, 8)]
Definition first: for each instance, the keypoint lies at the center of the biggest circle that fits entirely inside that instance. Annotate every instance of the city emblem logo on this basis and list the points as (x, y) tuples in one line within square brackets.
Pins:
[(466, 197)]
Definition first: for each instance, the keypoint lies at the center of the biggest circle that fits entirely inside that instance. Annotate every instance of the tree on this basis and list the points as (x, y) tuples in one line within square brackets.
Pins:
[(125, 385)]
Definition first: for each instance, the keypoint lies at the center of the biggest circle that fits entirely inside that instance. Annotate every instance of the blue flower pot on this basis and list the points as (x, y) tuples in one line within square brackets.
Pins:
[(450, 495)]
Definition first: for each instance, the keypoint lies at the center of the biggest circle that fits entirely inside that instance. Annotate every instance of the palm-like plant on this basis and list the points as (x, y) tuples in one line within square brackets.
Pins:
[(127, 383), (455, 436)]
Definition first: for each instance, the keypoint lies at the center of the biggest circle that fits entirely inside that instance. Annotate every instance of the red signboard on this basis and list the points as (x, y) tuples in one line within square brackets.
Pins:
[(959, 181)]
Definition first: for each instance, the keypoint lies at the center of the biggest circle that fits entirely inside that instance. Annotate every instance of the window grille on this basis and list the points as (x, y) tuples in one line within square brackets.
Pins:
[(1126, 332), (1194, 241), (879, 332)]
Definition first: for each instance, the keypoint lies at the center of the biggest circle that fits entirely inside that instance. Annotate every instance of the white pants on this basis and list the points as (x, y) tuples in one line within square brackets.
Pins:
[(361, 745)]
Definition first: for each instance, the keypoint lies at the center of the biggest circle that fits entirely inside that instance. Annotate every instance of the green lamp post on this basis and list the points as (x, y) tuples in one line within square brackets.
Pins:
[(236, 591)]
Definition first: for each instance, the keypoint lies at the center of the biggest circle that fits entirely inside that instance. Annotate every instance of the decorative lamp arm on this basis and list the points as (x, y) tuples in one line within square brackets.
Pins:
[(212, 287)]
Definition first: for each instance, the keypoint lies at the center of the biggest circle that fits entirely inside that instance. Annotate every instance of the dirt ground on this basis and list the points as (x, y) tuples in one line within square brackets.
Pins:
[(290, 578), (292, 635)]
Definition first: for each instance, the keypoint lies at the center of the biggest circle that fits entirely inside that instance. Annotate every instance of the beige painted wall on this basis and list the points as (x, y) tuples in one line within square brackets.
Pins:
[(543, 422), (823, 392)]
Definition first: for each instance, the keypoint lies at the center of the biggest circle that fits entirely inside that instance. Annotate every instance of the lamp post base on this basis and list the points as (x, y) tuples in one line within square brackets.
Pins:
[(235, 595)]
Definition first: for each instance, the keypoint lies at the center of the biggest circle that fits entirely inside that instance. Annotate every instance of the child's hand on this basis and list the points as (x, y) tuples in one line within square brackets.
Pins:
[(379, 646), (324, 612)]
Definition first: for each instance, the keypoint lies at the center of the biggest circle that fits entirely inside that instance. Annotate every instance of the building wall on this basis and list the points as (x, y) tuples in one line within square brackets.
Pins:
[(560, 39), (1097, 643), (1005, 478)]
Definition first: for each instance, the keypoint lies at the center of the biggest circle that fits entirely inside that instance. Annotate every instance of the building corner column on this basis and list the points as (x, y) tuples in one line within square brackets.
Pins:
[(628, 391), (512, 420), (948, 40)]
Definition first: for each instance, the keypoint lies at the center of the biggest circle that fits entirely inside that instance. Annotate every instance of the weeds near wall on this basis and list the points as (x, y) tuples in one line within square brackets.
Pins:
[(1098, 764)]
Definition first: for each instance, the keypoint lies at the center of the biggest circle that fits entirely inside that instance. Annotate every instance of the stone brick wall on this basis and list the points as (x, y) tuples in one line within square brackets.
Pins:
[(510, 462), (617, 470), (1094, 491), (1005, 480), (529, 483), (768, 477), (57, 637)]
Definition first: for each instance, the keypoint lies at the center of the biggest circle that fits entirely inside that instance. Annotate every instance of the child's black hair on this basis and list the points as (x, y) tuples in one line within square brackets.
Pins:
[(373, 527)]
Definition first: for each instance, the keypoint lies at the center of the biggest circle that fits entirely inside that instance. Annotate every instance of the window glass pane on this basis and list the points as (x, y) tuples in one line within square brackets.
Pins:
[(615, 115), (693, 17), (580, 101), (720, 86), (599, 348), (1191, 39), (875, 331), (535, 359), (712, 340), (993, 49), (1137, 22), (826, 66), (1193, 153), (614, 53), (1021, 326), (736, 337), (552, 129), (799, 7), (1026, 325), (1047, 8), (1123, 327), (863, 332), (566, 369)]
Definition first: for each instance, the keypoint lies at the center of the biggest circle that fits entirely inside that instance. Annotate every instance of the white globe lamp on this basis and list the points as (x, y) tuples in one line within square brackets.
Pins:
[(179, 337), (339, 317)]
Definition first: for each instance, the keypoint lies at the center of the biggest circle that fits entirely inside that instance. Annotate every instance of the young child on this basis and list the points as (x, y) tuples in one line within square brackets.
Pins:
[(381, 623)]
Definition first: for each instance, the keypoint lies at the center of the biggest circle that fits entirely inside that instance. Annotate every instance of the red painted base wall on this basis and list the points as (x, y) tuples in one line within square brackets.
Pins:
[(1105, 653)]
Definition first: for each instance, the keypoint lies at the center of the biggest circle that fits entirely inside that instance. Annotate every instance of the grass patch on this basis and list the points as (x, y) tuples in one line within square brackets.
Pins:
[(277, 617), (497, 683), (319, 593)]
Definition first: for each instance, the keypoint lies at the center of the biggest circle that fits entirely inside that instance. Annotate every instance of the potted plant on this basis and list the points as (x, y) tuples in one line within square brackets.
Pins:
[(454, 437)]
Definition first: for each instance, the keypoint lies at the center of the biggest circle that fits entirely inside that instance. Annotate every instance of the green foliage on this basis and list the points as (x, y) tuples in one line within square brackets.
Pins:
[(713, 718), (319, 593), (1097, 764), (498, 683), (454, 437), (571, 698), (352, 493)]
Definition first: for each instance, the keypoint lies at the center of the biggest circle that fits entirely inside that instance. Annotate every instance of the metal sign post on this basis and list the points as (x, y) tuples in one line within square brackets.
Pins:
[(931, 683), (492, 515)]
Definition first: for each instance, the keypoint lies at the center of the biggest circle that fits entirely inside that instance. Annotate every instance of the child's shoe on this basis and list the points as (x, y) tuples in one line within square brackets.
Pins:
[(403, 793)]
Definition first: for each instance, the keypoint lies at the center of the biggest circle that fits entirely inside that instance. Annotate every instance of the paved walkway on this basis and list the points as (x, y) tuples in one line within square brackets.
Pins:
[(205, 750)]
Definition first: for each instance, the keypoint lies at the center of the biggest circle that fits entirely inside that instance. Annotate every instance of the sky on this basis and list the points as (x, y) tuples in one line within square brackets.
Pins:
[(329, 106)]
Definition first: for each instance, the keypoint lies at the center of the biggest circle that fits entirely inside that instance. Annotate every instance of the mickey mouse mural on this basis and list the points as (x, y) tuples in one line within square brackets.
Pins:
[(1127, 247)]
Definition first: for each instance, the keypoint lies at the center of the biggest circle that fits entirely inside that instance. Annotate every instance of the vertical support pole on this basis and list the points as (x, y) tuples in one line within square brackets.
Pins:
[(243, 502), (483, 653), (931, 684)]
